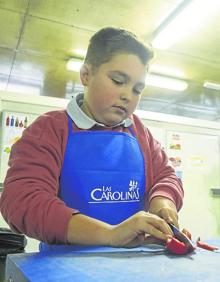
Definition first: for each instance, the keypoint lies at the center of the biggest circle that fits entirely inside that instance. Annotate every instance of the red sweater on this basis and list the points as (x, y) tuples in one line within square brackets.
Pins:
[(30, 202)]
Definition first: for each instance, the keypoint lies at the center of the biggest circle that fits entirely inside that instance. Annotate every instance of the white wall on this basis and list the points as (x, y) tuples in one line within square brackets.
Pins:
[(201, 165)]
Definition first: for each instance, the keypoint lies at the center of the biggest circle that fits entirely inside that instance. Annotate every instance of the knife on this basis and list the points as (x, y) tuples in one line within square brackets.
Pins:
[(181, 237)]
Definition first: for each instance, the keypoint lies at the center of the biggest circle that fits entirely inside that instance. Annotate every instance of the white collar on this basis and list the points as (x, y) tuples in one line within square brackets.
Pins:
[(81, 119)]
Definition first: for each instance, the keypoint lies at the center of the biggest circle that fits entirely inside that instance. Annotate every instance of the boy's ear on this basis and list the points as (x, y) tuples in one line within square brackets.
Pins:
[(84, 74)]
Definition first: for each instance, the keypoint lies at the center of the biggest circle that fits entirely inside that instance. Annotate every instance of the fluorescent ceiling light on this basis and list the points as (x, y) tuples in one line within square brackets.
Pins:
[(211, 85), (186, 19), (155, 68), (81, 52), (74, 65), (165, 82)]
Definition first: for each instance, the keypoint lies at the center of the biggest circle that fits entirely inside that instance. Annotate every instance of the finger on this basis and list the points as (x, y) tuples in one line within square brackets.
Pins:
[(170, 216), (187, 233), (136, 242), (152, 240), (160, 224), (171, 219), (151, 224), (157, 233)]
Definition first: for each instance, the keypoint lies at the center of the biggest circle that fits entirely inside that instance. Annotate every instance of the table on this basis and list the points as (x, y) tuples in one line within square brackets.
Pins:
[(105, 264)]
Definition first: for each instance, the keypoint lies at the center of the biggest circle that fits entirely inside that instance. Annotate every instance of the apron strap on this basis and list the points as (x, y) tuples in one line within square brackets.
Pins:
[(130, 128), (70, 124)]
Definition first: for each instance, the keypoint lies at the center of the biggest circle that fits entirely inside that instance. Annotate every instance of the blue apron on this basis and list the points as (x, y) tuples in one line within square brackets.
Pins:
[(103, 174)]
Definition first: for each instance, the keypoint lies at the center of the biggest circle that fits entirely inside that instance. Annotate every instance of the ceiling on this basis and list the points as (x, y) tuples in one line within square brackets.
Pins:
[(38, 37)]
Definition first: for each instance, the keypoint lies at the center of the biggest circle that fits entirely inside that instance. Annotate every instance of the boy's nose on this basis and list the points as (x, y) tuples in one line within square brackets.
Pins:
[(126, 94)]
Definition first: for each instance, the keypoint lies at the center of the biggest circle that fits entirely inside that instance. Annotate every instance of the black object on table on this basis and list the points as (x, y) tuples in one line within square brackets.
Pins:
[(10, 243)]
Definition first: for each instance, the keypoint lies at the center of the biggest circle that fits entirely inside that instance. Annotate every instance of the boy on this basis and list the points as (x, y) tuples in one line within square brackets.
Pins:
[(93, 174)]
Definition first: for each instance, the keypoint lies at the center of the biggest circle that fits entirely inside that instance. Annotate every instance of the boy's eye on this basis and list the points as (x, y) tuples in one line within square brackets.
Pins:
[(138, 91), (117, 81)]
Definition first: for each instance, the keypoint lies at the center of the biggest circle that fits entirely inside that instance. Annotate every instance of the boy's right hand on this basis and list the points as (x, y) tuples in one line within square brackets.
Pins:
[(135, 231)]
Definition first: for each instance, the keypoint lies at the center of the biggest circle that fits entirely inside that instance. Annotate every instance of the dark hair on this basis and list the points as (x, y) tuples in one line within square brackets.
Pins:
[(110, 41)]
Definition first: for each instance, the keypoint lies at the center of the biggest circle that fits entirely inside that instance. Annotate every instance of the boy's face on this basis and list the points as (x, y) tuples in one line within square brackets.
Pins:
[(113, 90)]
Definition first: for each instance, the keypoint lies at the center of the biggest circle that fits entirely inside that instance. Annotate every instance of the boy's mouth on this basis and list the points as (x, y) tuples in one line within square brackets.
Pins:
[(121, 108)]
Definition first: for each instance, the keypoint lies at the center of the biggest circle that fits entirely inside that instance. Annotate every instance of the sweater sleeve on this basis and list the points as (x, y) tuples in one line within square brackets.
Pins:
[(161, 179), (29, 202)]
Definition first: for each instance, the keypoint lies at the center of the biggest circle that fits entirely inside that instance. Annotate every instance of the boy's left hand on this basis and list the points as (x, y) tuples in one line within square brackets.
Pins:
[(165, 209)]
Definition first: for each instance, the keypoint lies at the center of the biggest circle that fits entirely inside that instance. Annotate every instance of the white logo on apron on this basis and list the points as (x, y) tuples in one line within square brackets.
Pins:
[(106, 194)]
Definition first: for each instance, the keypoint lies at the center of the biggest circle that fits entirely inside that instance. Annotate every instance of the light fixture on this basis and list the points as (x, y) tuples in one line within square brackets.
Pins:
[(167, 71), (166, 82), (74, 65), (186, 19), (211, 85), (80, 52)]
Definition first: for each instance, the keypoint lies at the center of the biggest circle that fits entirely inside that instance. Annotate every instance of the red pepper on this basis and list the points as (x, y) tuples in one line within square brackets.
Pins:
[(205, 246), (176, 247)]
